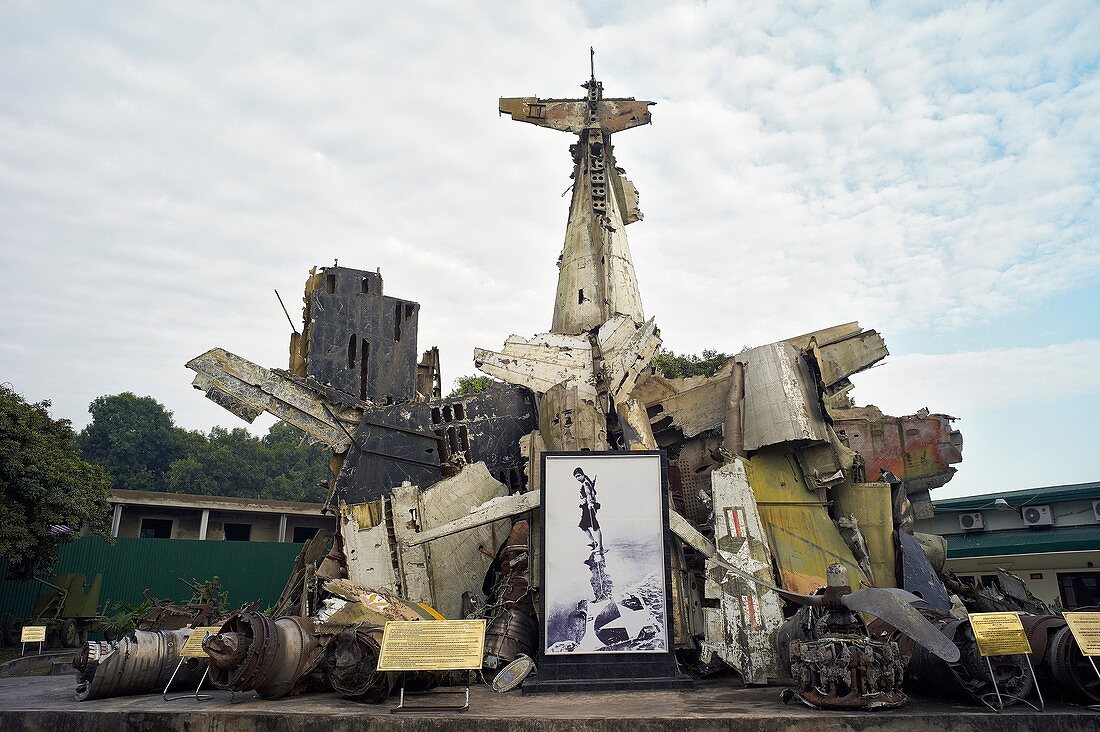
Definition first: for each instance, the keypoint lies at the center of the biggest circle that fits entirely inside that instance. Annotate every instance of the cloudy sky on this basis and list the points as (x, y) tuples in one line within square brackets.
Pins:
[(932, 173)]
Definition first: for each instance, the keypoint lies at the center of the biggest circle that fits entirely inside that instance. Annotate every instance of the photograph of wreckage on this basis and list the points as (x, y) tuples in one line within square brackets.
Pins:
[(792, 507)]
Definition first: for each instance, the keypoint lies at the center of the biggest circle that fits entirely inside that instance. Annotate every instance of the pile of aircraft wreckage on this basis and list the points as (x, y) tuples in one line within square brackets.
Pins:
[(783, 493)]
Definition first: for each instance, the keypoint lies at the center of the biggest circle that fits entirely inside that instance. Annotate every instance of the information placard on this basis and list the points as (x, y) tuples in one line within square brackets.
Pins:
[(33, 634), (999, 634), (1086, 631), (432, 645), (193, 647)]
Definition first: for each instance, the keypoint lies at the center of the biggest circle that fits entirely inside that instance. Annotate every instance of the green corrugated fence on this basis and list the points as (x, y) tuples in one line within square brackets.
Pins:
[(248, 570)]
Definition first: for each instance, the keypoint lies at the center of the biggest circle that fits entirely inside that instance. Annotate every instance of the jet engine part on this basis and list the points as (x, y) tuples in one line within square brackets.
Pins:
[(139, 663), (832, 659), (512, 630), (272, 657), (351, 664), (1058, 659), (968, 678), (836, 665)]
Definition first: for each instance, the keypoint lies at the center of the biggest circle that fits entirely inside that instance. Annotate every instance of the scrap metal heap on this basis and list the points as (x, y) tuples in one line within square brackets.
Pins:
[(778, 481)]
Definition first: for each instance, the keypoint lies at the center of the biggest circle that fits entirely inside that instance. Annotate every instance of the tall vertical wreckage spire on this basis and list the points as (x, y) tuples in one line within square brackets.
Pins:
[(596, 280)]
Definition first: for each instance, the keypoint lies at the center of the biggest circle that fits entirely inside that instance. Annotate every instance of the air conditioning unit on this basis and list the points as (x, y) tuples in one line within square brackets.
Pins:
[(1096, 510), (971, 521), (1037, 516)]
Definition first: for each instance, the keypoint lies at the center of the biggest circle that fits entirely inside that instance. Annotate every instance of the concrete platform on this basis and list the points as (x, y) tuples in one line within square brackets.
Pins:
[(46, 703)]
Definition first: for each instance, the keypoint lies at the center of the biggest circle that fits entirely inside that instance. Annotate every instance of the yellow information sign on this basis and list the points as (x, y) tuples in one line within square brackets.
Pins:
[(193, 647), (999, 634), (33, 634), (1086, 631), (432, 645)]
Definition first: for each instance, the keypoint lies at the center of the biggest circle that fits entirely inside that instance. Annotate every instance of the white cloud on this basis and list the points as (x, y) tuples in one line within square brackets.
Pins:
[(959, 383)]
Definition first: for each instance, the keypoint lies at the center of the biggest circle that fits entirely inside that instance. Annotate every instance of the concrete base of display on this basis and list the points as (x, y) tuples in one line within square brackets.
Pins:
[(45, 703)]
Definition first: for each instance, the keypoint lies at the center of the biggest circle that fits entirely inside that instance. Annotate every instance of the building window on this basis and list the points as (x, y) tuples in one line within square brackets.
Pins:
[(1079, 589), (156, 528), (303, 534), (238, 532)]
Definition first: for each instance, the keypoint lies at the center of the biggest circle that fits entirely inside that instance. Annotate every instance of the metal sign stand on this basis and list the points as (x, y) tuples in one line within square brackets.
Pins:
[(195, 695), (402, 707), (23, 651), (192, 648), (1000, 697)]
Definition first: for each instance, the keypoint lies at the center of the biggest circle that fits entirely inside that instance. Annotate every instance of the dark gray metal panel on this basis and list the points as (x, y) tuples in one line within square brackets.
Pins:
[(919, 577), (360, 341), (413, 441)]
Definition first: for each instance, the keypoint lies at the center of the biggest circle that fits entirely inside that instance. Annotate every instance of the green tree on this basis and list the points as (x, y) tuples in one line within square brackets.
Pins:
[(672, 366), (50, 493), (134, 438), (470, 384), (234, 463)]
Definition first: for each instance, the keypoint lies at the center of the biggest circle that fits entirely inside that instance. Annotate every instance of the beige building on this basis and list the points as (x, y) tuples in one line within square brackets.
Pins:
[(156, 515), (1050, 537)]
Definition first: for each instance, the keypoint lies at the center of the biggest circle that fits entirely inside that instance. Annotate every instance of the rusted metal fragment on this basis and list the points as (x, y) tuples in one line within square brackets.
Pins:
[(429, 380), (741, 629), (1008, 594), (697, 458), (733, 436), (139, 663), (684, 408), (568, 421), (918, 448), (573, 115), (542, 362), (512, 628), (489, 512), (455, 564), (247, 390), (825, 335), (634, 424), (848, 526), (870, 505), (839, 358), (351, 603), (548, 359), (803, 539), (421, 442), (781, 403), (389, 549), (626, 195), (356, 339), (296, 595), (369, 545), (821, 464), (626, 349)]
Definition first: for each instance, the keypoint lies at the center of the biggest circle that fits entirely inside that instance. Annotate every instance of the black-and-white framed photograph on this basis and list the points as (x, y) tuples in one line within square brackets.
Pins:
[(604, 585)]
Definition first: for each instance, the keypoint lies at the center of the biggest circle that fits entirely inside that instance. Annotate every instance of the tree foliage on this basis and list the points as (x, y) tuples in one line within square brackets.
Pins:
[(672, 366), (234, 463), (470, 384), (137, 441), (134, 438), (50, 493)]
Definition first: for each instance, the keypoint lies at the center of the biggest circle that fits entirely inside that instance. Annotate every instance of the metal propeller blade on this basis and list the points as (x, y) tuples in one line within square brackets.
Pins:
[(895, 609)]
